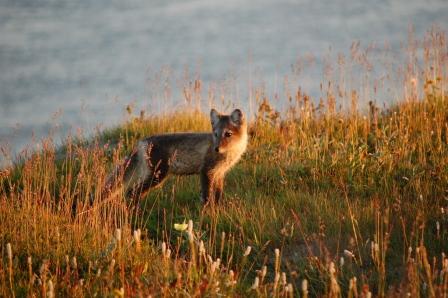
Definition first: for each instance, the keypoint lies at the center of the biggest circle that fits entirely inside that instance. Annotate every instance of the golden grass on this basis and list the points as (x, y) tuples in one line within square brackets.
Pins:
[(324, 203)]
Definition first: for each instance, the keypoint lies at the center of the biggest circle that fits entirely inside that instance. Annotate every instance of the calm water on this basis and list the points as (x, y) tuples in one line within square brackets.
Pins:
[(74, 65)]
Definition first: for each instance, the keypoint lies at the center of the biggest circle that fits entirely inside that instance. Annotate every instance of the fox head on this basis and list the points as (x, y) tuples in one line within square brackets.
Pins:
[(229, 131)]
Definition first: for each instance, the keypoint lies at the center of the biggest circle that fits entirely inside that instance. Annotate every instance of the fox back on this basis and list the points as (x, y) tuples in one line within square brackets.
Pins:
[(209, 154)]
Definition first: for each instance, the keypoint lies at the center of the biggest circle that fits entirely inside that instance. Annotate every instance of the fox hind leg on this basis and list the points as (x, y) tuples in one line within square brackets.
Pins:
[(158, 166), (138, 190)]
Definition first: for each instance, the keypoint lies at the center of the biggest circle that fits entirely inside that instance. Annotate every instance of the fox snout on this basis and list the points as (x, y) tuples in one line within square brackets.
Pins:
[(216, 143)]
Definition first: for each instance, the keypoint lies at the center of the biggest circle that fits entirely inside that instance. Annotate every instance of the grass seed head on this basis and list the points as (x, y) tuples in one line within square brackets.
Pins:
[(248, 250), (118, 235), (256, 283), (305, 286), (9, 251), (201, 248)]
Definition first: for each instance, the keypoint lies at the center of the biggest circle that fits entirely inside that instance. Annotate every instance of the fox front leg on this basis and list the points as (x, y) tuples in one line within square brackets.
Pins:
[(211, 187), (206, 187), (218, 189)]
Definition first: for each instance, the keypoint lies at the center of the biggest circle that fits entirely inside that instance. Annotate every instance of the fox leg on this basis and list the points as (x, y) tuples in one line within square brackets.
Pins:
[(206, 187), (218, 189), (138, 190), (156, 169), (211, 187)]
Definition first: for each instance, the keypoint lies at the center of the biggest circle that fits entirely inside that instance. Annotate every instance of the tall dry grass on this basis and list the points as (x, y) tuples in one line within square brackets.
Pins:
[(330, 200)]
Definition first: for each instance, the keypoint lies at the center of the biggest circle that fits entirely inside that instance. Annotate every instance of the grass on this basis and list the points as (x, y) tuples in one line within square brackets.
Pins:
[(324, 203)]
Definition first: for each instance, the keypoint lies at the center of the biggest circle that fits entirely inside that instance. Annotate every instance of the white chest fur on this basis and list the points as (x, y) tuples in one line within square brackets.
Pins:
[(231, 157)]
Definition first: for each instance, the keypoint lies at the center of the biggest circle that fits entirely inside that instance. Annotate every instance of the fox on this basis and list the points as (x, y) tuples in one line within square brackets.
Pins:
[(209, 154)]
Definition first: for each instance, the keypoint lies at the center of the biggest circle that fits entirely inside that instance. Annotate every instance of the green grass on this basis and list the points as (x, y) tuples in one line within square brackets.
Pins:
[(339, 194)]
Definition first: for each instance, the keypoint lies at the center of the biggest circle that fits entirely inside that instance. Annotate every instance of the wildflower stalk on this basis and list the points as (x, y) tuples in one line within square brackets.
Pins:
[(43, 277), (50, 293), (277, 270), (353, 289), (427, 268), (255, 284), (30, 271), (305, 288), (244, 259), (192, 265), (10, 271), (334, 289), (137, 238)]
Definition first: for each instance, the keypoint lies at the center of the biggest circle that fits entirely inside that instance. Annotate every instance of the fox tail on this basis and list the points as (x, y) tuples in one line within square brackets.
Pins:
[(116, 182)]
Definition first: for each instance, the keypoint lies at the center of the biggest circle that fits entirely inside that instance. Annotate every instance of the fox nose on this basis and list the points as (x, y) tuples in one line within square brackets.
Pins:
[(217, 149)]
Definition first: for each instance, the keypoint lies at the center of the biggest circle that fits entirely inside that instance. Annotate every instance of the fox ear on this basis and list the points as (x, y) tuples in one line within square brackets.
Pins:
[(214, 116), (237, 117)]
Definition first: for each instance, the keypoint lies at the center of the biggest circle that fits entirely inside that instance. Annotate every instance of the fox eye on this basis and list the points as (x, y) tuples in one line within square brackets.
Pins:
[(228, 134)]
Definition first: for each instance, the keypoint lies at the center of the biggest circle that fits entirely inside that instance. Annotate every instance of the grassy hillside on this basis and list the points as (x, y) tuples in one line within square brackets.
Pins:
[(323, 203)]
